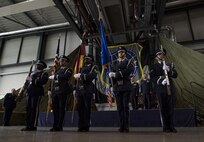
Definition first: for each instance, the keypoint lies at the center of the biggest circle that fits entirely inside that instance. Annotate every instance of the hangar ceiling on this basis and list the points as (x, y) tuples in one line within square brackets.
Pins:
[(124, 20)]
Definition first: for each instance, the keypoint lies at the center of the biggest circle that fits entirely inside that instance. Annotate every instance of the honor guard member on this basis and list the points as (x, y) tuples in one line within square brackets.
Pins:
[(120, 73), (164, 94), (145, 91), (34, 92), (84, 92), (9, 104), (60, 91), (134, 93)]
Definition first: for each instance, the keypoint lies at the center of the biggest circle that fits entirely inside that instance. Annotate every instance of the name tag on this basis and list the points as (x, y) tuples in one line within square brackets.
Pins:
[(120, 82), (81, 87), (57, 88)]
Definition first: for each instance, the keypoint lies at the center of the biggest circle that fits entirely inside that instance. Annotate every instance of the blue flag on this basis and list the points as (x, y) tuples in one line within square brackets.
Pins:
[(105, 61), (105, 56)]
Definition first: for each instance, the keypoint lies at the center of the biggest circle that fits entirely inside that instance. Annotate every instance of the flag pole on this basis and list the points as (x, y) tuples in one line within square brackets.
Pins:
[(105, 61), (54, 68)]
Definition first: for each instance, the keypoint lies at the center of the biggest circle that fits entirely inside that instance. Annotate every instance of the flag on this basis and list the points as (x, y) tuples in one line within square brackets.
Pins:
[(55, 65), (105, 56), (134, 54), (80, 59), (77, 68), (105, 61)]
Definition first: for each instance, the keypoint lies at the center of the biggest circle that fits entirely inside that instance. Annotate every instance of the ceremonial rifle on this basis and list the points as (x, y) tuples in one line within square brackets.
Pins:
[(166, 74), (74, 103), (23, 89)]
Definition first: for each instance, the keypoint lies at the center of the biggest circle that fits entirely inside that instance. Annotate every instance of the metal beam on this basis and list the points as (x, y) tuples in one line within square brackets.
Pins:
[(181, 2), (147, 11), (93, 11), (25, 6), (37, 30), (179, 8), (190, 24), (2, 42), (27, 15), (160, 12), (68, 16), (125, 32), (16, 22)]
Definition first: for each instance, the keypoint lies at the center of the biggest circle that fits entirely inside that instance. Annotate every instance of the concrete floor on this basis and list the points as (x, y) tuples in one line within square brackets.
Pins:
[(13, 133)]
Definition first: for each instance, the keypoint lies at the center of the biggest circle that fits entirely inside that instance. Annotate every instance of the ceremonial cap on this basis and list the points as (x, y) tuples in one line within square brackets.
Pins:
[(89, 57), (40, 62), (122, 48), (65, 58), (159, 51)]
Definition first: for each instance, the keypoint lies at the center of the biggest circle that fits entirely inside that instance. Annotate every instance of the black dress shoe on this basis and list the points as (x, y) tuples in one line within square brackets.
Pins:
[(126, 130), (83, 130), (173, 130), (86, 130), (53, 130), (6, 125), (80, 130), (33, 129), (166, 130), (121, 130), (26, 129)]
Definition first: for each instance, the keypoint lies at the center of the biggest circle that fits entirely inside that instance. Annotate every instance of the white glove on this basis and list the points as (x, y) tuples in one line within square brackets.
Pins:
[(74, 92), (51, 77), (28, 78), (164, 82), (111, 89), (49, 93), (77, 75), (165, 67), (111, 74)]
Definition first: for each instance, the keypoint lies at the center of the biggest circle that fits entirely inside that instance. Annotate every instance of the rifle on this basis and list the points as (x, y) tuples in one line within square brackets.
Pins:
[(167, 79), (49, 106), (74, 103), (166, 75), (23, 89)]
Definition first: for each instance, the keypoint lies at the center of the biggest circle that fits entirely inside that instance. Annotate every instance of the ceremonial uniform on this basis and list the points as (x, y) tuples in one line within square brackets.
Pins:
[(166, 101), (134, 95), (9, 104), (120, 73), (35, 91), (145, 90), (84, 92), (60, 91)]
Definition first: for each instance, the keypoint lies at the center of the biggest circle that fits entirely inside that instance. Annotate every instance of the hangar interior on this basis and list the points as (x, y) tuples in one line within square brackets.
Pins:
[(30, 29)]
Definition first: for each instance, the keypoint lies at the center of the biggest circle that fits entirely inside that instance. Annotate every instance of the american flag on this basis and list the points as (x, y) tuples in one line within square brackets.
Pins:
[(105, 61), (109, 97), (56, 60), (54, 68)]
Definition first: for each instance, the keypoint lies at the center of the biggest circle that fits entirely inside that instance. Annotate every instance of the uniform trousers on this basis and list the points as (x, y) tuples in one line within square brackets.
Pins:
[(59, 101), (166, 107), (122, 99), (84, 110), (32, 111)]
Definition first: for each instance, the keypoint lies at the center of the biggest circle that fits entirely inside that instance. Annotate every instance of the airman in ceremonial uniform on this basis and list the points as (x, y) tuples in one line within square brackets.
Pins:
[(34, 92), (60, 91), (164, 88), (121, 70), (84, 92)]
